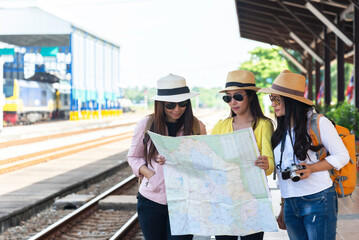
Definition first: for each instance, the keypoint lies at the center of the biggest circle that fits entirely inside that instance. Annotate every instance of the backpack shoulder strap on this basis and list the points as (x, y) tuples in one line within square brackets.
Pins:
[(314, 132), (148, 127), (314, 129), (196, 129), (148, 124)]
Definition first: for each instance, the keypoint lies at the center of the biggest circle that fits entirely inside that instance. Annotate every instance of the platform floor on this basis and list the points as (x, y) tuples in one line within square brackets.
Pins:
[(21, 189)]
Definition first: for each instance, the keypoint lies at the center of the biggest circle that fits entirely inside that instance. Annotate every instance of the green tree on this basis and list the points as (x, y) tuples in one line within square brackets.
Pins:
[(266, 64), (208, 97)]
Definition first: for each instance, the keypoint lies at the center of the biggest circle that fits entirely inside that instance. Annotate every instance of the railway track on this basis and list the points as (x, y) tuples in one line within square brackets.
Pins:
[(123, 132), (25, 160), (90, 222)]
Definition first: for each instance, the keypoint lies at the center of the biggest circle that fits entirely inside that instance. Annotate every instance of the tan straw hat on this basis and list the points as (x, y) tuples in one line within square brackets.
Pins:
[(290, 85), (240, 79), (172, 88)]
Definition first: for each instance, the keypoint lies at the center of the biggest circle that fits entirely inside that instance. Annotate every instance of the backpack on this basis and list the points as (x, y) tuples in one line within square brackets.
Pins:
[(195, 128), (345, 178)]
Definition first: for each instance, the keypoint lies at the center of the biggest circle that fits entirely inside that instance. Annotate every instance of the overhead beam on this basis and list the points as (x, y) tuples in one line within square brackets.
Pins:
[(306, 47), (304, 25), (294, 61), (329, 24)]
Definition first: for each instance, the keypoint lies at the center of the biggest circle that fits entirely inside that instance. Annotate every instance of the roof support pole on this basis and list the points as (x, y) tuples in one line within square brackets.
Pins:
[(304, 25), (356, 56), (310, 77), (317, 73), (304, 62), (327, 90), (340, 64), (356, 4)]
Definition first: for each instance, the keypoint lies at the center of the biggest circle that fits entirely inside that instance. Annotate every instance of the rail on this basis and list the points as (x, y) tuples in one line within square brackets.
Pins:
[(61, 225)]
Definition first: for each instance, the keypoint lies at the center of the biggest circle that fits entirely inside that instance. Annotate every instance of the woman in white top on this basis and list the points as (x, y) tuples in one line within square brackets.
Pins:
[(309, 202)]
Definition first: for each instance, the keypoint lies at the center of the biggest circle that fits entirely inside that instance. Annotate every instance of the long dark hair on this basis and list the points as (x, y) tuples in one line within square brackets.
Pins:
[(255, 108), (297, 111), (159, 126)]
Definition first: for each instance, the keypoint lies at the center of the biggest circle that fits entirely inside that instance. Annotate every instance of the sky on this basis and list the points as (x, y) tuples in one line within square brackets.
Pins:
[(196, 39)]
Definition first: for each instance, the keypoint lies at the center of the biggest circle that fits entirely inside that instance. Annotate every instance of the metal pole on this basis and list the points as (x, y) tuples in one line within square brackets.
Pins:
[(356, 56), (340, 64), (317, 74), (310, 77), (327, 87)]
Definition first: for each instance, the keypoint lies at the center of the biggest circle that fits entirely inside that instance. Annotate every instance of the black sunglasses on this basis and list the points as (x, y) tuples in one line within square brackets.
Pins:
[(238, 97), (172, 105)]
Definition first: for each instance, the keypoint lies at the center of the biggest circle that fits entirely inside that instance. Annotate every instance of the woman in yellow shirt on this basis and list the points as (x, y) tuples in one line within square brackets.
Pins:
[(246, 112)]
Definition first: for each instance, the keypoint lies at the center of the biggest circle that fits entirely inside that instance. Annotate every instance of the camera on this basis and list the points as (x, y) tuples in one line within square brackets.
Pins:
[(289, 172)]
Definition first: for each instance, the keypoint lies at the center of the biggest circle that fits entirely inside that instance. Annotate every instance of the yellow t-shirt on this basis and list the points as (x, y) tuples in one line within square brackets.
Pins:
[(263, 134)]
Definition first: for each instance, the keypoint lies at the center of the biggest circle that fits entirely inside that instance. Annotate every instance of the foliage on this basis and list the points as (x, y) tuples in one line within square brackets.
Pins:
[(136, 94), (207, 98), (266, 64), (344, 114)]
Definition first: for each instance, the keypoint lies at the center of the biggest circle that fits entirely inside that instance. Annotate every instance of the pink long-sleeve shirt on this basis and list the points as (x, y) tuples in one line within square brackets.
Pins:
[(154, 188)]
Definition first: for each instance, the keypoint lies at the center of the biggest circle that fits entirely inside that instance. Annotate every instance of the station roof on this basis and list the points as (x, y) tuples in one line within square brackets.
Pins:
[(271, 21), (32, 26)]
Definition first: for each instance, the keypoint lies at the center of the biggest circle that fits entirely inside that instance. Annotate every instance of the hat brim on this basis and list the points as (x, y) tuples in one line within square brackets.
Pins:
[(238, 88), (174, 98), (298, 98)]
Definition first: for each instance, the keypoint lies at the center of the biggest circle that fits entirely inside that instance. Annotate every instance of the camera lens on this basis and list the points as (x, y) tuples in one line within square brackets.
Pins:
[(295, 177)]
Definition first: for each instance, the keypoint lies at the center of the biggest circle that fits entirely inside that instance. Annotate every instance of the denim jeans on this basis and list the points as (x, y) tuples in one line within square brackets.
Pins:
[(254, 236), (154, 220), (312, 217)]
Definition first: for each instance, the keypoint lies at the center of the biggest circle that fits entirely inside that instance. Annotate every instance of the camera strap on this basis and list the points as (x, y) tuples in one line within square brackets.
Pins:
[(279, 166)]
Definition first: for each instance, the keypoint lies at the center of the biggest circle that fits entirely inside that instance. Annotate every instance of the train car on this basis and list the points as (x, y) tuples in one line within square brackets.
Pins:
[(27, 101)]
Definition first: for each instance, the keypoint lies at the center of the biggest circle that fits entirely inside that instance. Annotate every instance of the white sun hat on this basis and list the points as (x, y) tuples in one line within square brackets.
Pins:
[(172, 88)]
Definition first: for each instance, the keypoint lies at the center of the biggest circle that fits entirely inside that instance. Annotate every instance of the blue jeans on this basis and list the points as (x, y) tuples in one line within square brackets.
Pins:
[(312, 217), (254, 236), (154, 220)]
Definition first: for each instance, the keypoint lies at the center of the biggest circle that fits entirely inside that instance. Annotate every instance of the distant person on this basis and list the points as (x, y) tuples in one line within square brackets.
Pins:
[(309, 204), (173, 116), (245, 112)]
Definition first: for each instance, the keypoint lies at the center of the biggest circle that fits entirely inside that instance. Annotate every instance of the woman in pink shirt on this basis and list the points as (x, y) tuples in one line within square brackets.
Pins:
[(173, 116)]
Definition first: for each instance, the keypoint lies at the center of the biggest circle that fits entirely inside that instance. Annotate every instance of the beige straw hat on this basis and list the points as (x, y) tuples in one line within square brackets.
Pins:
[(240, 79), (173, 88), (290, 85)]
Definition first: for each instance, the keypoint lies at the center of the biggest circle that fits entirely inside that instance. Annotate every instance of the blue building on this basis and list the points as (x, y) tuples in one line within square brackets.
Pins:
[(83, 68)]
